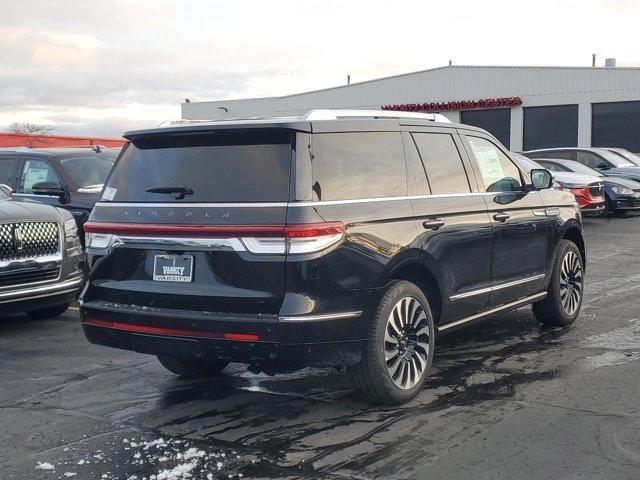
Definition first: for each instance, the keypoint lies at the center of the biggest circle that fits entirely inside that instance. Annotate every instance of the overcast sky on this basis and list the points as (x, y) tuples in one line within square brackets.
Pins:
[(104, 66)]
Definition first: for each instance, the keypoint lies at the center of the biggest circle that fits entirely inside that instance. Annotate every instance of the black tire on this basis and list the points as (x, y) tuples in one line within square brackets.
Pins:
[(557, 309), (49, 312), (192, 368), (373, 376), (610, 208)]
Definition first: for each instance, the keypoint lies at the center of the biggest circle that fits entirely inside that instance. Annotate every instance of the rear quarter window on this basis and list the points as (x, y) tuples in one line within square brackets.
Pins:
[(250, 166), (442, 162), (348, 166)]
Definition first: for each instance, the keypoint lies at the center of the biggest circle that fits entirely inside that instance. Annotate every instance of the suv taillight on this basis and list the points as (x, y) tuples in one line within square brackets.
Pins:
[(260, 239), (297, 239)]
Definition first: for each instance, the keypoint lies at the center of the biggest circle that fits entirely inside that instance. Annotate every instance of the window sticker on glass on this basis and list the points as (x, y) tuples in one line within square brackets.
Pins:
[(35, 175), (109, 193), (488, 161)]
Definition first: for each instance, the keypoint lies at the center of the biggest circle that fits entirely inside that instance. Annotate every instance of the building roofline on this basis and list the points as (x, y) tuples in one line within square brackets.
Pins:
[(416, 72)]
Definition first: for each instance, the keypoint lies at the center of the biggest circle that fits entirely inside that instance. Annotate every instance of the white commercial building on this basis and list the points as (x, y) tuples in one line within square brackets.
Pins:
[(524, 107)]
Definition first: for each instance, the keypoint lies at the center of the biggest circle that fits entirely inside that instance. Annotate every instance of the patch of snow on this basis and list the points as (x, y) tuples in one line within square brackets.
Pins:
[(44, 466), (180, 472)]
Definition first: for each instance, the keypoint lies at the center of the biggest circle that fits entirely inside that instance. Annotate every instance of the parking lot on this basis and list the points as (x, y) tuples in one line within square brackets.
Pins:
[(506, 399)]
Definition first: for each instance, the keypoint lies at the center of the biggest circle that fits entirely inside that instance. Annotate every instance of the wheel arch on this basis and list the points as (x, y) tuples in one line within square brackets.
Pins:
[(418, 268), (573, 232)]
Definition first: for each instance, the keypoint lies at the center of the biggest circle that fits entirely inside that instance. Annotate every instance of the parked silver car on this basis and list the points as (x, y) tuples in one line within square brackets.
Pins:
[(40, 258)]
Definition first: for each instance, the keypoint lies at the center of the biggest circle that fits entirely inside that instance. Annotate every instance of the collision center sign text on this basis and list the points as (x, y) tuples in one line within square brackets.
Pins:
[(456, 105)]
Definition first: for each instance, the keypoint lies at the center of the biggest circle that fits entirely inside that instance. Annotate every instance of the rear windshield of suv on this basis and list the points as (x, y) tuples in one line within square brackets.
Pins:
[(251, 166)]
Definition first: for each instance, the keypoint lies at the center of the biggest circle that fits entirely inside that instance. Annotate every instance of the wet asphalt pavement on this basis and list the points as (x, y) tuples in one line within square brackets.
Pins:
[(506, 399)]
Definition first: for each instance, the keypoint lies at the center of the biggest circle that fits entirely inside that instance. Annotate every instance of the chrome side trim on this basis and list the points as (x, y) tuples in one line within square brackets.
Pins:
[(292, 204), (507, 306), (471, 293), (191, 205), (493, 288), (33, 195), (539, 212), (316, 318), (34, 292), (387, 199), (233, 244)]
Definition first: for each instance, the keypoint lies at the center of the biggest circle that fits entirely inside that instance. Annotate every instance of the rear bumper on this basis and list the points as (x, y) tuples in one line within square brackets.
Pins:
[(284, 342)]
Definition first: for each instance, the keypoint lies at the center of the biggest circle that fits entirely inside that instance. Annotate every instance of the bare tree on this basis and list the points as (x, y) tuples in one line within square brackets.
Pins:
[(31, 131)]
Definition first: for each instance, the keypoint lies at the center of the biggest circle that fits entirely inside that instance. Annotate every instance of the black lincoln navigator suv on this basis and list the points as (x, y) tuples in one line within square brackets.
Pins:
[(333, 239)]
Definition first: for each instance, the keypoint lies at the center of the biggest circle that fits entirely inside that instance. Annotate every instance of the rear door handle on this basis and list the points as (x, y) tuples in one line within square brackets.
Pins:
[(433, 224), (501, 217)]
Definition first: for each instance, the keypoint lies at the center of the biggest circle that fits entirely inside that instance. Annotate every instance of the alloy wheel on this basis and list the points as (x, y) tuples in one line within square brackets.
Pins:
[(571, 283), (406, 343)]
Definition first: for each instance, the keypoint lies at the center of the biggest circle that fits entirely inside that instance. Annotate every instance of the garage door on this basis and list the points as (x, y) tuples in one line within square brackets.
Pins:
[(495, 121), (548, 127), (616, 124)]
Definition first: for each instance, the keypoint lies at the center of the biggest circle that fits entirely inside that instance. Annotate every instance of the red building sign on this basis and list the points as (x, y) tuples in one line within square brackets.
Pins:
[(506, 102)]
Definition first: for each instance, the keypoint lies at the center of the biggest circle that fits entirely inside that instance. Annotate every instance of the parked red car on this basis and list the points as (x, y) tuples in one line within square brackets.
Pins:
[(590, 197), (587, 189)]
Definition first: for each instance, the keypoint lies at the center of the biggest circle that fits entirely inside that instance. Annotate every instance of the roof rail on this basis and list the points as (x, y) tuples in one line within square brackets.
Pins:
[(14, 149), (327, 114)]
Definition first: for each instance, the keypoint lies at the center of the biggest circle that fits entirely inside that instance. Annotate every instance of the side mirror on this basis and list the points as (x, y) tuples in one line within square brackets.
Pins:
[(603, 166), (541, 179), (6, 189), (51, 189)]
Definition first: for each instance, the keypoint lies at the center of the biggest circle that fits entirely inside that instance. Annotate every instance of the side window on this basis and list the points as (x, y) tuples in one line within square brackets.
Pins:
[(589, 159), (566, 155), (499, 173), (8, 168), (442, 163), (348, 166), (36, 171), (416, 174), (554, 167)]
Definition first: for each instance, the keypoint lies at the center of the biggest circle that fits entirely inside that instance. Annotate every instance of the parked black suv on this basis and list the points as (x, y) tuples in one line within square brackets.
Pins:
[(40, 258), (335, 239), (71, 178)]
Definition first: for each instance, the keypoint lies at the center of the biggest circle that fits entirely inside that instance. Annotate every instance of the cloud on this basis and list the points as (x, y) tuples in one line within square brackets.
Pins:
[(134, 60)]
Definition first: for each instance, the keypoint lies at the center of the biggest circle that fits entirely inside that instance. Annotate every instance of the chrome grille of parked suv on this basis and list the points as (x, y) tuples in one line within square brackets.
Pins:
[(596, 189), (28, 240)]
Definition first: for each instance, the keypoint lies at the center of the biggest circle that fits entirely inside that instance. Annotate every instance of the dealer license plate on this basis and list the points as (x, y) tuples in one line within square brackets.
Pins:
[(173, 268)]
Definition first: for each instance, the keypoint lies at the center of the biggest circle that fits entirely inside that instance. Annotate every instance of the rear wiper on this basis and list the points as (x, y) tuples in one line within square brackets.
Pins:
[(177, 192)]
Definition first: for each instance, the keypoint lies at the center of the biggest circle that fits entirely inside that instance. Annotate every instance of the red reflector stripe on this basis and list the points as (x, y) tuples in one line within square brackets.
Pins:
[(243, 337), (240, 337), (313, 229)]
